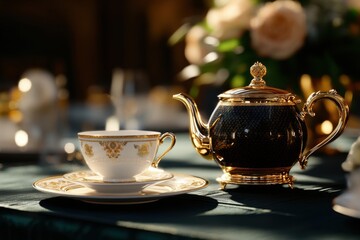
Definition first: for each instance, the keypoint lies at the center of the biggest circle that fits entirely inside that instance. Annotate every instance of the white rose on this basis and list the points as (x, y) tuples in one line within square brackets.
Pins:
[(354, 4), (195, 47), (279, 29), (230, 20)]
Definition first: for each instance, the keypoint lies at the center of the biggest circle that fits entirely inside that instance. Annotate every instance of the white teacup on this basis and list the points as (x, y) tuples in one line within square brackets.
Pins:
[(120, 155)]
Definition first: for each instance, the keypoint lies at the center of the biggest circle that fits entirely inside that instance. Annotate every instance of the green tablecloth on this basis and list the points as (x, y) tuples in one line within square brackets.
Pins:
[(253, 212)]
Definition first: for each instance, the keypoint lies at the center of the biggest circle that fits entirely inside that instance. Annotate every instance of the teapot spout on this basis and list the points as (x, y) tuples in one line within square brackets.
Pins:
[(199, 131)]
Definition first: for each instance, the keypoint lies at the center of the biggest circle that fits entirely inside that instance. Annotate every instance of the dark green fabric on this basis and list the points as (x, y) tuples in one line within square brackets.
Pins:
[(246, 212)]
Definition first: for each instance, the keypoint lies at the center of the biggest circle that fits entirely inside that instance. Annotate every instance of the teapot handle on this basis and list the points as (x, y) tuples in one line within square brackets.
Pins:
[(343, 111)]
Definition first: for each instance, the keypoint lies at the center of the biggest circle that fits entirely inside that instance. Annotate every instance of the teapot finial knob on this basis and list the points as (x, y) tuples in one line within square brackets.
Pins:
[(258, 70)]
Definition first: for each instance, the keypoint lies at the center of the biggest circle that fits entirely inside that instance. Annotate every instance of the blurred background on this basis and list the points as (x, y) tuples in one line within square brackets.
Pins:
[(67, 66), (84, 40)]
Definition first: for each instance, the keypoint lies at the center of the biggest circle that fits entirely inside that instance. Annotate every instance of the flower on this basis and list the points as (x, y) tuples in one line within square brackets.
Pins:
[(353, 3), (230, 20), (196, 48), (279, 29), (292, 38)]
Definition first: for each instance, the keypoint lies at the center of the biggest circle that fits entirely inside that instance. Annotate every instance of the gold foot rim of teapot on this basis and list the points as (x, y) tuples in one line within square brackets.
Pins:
[(269, 179)]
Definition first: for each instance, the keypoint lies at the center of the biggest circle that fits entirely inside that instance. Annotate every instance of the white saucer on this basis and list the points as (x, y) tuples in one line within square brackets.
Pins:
[(92, 180), (348, 203), (179, 184)]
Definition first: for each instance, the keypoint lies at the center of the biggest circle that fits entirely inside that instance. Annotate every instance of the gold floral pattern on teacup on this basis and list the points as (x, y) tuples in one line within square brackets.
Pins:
[(143, 149), (112, 148), (88, 150)]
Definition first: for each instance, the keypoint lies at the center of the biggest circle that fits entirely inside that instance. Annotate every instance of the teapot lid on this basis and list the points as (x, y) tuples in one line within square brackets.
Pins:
[(257, 91)]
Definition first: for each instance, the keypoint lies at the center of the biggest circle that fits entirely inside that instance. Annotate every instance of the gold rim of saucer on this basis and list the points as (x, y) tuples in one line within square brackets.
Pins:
[(101, 135), (179, 184)]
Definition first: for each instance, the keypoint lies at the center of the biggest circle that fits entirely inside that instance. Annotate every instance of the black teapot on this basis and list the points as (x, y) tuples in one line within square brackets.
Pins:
[(256, 134)]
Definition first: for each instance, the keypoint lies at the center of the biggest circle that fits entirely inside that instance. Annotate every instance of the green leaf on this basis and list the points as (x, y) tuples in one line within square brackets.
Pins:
[(237, 81), (179, 34), (228, 45)]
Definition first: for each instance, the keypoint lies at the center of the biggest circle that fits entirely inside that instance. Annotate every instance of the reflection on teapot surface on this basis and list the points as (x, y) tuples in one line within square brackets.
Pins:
[(257, 133), (280, 140)]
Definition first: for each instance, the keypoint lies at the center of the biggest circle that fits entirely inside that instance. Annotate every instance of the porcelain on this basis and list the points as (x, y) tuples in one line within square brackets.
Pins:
[(91, 180), (179, 184), (348, 203), (256, 134), (120, 155)]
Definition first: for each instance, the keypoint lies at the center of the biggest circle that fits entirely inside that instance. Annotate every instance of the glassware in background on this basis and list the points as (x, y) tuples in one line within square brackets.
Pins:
[(129, 93), (10, 116), (38, 104)]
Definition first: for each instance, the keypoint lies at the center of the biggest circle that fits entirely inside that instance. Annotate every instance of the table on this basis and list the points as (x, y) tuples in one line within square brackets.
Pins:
[(245, 212)]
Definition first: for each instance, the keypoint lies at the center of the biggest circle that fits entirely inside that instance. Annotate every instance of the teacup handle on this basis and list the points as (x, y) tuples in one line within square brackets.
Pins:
[(163, 136), (343, 111)]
